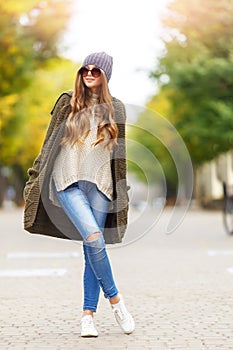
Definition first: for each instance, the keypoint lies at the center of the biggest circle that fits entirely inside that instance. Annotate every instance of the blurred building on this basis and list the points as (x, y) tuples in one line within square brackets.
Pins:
[(211, 176)]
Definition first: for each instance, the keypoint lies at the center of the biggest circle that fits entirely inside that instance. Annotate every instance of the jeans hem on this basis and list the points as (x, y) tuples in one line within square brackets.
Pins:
[(89, 308), (111, 296)]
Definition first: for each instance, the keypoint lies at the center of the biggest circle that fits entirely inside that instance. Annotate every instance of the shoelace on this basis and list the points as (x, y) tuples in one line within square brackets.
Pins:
[(119, 313), (87, 322)]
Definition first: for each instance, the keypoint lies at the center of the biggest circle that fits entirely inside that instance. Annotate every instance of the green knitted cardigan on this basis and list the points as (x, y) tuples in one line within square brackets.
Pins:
[(40, 215)]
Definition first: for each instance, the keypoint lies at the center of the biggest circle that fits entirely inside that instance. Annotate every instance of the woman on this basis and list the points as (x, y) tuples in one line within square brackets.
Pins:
[(85, 176)]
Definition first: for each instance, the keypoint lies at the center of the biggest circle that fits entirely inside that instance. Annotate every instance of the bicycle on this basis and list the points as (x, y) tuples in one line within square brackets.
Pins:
[(227, 209)]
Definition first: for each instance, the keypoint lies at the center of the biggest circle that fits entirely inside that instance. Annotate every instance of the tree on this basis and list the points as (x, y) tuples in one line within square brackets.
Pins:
[(30, 31), (37, 102), (197, 67)]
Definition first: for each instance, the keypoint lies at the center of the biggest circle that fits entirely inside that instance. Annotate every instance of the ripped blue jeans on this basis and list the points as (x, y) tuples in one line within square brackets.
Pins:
[(87, 208)]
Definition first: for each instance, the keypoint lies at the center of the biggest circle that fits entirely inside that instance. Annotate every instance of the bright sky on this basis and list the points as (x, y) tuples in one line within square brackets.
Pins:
[(129, 30)]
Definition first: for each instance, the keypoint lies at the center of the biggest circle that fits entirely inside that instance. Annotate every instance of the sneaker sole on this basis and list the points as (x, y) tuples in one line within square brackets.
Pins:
[(132, 325), (89, 336)]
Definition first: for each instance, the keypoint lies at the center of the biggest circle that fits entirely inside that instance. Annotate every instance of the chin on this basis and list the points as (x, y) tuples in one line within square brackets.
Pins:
[(90, 85)]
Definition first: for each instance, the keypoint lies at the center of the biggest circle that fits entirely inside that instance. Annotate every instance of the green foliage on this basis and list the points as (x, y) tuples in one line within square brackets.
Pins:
[(29, 35), (27, 42), (36, 103), (31, 75), (198, 60)]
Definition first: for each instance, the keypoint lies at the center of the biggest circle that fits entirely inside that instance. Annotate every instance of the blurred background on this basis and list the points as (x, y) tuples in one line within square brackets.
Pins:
[(174, 58)]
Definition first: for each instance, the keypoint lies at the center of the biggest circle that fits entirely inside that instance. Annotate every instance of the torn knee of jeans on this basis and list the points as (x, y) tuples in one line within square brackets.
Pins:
[(96, 242), (93, 237)]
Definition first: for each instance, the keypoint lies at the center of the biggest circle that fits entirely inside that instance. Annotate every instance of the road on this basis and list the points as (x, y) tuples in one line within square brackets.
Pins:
[(178, 286)]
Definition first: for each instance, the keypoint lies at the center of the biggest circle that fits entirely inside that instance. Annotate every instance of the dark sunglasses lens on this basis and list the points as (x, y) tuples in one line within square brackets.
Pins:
[(96, 72), (83, 72)]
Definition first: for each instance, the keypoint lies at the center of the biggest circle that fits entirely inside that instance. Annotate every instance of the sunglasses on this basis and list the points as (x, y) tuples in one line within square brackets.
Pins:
[(95, 72)]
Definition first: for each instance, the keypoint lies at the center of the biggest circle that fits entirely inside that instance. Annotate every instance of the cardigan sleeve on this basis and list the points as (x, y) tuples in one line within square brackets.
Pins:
[(120, 151), (62, 101), (119, 168)]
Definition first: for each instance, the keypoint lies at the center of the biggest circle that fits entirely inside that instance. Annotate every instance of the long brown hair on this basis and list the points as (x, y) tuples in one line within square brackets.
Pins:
[(78, 123)]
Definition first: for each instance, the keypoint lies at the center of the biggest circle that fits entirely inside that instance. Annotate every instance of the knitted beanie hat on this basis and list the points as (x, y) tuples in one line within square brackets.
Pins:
[(101, 60)]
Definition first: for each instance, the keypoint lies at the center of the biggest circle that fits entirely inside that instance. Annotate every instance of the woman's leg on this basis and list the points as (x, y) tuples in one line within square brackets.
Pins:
[(95, 248), (69, 199), (91, 287), (90, 281), (99, 204), (77, 206), (97, 200)]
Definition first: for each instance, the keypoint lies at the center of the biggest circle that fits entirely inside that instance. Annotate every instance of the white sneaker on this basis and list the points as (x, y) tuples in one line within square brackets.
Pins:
[(88, 329), (123, 317)]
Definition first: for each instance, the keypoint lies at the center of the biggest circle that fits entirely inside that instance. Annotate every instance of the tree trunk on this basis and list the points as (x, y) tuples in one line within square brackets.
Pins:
[(3, 185), (18, 184)]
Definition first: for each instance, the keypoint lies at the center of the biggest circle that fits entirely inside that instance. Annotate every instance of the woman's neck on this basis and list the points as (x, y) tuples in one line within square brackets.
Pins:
[(95, 90), (93, 98)]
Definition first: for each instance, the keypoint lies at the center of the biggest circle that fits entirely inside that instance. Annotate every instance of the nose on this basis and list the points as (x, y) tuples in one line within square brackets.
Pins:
[(89, 72)]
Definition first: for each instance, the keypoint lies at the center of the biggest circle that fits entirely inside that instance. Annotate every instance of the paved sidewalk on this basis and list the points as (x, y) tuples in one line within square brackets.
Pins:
[(179, 287)]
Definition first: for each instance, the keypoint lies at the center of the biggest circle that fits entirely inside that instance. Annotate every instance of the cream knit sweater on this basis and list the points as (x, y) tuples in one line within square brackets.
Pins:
[(84, 162)]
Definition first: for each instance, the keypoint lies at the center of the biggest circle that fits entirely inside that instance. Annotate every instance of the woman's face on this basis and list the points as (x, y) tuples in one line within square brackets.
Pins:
[(93, 83)]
